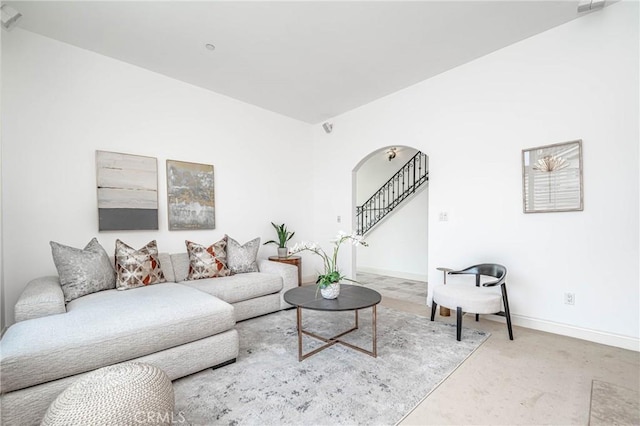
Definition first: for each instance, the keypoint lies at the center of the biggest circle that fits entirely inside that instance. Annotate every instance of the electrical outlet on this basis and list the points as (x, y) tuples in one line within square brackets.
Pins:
[(444, 217), (569, 298), (339, 219)]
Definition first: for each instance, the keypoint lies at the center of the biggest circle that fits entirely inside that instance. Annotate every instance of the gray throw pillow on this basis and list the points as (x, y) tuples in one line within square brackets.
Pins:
[(83, 271), (242, 258)]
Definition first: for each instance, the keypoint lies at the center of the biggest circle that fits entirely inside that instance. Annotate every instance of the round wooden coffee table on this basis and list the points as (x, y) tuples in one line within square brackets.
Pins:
[(351, 298)]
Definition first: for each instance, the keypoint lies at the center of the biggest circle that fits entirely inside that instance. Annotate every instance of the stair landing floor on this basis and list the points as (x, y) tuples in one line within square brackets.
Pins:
[(395, 288)]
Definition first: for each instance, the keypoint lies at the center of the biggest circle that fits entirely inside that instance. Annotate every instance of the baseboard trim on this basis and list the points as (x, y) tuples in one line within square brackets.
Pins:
[(610, 339), (396, 274)]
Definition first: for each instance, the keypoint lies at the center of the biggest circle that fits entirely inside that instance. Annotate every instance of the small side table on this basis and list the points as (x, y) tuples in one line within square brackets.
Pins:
[(291, 260)]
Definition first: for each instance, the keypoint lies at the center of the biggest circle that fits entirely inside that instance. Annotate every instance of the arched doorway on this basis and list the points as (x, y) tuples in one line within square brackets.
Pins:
[(395, 263)]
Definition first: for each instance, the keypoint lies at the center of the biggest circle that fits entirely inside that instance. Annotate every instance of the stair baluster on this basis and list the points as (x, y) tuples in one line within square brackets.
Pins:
[(413, 173)]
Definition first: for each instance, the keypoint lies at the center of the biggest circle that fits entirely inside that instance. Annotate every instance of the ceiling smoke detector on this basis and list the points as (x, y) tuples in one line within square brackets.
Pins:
[(590, 5)]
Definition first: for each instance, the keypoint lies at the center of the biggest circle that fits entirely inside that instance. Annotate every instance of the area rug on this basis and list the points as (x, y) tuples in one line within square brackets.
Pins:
[(268, 386), (613, 405)]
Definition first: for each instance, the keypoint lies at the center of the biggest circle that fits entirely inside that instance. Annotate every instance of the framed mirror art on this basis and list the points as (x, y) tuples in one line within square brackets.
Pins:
[(552, 178)]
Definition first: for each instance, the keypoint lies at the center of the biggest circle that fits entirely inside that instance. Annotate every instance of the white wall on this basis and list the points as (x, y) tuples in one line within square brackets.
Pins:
[(579, 80), (398, 244), (61, 104)]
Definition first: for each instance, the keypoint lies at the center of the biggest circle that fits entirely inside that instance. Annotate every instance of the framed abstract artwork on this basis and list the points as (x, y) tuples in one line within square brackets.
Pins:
[(552, 178), (127, 191), (190, 196)]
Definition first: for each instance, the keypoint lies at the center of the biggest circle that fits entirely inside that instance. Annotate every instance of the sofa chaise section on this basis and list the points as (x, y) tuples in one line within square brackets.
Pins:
[(108, 327), (168, 325)]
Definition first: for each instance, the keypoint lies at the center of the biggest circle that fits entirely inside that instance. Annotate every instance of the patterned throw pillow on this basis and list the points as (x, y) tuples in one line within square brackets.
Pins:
[(207, 262), (83, 271), (137, 268), (242, 258)]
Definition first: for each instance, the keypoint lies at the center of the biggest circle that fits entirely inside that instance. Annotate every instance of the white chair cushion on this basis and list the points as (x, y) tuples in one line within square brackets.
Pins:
[(477, 300)]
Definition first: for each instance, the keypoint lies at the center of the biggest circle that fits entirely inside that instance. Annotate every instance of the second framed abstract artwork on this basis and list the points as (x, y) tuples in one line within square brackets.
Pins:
[(190, 196)]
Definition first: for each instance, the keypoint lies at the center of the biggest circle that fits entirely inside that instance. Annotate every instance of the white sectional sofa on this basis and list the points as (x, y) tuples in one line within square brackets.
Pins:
[(180, 326)]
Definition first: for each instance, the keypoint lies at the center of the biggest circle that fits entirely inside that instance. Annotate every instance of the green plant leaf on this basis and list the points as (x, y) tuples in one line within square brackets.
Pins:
[(283, 235)]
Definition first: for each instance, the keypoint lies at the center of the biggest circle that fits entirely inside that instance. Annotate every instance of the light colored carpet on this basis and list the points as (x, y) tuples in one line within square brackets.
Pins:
[(268, 386), (613, 405)]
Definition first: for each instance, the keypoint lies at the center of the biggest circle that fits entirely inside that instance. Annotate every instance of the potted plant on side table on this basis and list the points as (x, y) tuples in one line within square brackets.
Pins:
[(283, 236)]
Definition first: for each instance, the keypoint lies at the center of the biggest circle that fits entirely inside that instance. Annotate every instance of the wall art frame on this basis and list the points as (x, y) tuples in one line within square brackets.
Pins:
[(552, 178), (127, 187), (190, 196)]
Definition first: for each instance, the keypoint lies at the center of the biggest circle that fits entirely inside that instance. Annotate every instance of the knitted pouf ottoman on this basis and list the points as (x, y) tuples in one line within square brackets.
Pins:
[(131, 393)]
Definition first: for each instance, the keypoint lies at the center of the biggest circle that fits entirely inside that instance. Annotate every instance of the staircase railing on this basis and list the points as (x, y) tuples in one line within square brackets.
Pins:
[(404, 183)]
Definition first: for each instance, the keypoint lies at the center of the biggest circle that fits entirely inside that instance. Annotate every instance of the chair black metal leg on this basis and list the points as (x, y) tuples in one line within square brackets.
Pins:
[(459, 323), (477, 317), (433, 309), (506, 310)]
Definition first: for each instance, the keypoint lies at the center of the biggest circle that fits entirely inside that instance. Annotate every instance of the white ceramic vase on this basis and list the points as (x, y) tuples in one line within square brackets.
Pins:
[(331, 291)]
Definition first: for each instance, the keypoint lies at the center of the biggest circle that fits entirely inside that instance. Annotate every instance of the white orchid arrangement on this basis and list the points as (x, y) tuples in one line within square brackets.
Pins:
[(331, 274)]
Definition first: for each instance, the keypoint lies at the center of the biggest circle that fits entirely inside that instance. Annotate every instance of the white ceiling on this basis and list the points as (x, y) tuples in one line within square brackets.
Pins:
[(309, 60)]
